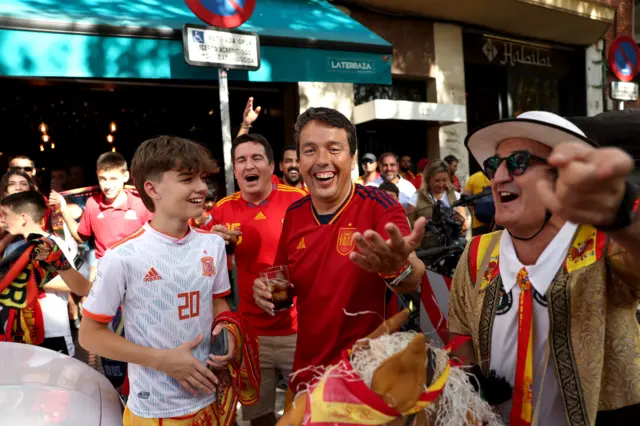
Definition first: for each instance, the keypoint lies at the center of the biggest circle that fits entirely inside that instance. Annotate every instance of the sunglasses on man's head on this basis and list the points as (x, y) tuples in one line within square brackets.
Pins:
[(24, 169), (517, 163)]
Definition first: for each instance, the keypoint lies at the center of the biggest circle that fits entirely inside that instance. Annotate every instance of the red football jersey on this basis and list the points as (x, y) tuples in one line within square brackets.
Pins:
[(261, 226), (327, 283)]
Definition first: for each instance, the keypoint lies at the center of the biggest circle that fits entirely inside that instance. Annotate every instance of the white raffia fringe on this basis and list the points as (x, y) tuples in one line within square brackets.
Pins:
[(458, 405), (370, 353)]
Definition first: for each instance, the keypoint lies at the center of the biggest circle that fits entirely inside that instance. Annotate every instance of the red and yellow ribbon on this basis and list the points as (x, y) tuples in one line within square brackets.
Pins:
[(522, 407), (341, 397)]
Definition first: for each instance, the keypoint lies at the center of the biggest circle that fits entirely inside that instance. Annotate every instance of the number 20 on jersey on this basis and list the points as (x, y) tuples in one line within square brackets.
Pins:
[(189, 306)]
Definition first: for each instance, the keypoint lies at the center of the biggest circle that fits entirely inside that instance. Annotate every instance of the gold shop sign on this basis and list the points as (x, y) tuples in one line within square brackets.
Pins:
[(512, 54)]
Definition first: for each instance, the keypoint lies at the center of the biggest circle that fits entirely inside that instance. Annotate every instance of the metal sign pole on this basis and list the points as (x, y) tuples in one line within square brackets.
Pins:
[(225, 122), (621, 106)]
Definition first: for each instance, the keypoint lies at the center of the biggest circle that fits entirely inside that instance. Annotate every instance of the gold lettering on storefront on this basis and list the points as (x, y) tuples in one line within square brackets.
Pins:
[(507, 53)]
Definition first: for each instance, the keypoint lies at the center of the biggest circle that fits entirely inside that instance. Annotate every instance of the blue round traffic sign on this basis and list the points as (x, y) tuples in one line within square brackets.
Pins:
[(222, 13), (624, 57)]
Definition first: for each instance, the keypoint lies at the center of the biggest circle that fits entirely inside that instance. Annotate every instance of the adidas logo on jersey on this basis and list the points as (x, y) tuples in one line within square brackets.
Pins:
[(152, 275), (301, 244), (260, 216)]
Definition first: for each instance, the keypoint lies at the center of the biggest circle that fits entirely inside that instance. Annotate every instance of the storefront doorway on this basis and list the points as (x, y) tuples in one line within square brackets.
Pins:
[(79, 114), (505, 77)]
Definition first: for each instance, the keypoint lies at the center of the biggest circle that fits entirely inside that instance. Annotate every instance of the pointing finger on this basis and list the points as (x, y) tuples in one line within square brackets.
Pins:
[(565, 153), (612, 162), (548, 196)]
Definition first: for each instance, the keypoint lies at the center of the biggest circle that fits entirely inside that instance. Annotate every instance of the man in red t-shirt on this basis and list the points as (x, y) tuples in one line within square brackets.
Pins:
[(345, 244), (257, 212), (111, 215)]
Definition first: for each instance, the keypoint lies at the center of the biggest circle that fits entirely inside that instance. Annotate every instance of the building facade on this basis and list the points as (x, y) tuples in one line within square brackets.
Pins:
[(457, 65)]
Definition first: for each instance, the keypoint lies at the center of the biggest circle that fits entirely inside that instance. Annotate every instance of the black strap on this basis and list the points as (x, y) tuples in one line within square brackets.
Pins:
[(546, 220), (410, 419)]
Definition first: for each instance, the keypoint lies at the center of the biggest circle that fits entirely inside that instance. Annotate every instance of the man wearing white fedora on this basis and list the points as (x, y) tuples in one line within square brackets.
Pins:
[(549, 303)]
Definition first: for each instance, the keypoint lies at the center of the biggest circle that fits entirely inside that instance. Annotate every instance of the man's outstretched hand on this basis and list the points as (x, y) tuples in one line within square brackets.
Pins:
[(590, 184), (386, 257)]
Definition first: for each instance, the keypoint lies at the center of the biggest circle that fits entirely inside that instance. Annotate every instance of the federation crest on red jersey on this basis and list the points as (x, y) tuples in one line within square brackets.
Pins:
[(345, 243)]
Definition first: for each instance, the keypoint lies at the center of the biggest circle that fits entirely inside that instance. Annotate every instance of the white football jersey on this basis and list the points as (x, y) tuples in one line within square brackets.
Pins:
[(166, 287)]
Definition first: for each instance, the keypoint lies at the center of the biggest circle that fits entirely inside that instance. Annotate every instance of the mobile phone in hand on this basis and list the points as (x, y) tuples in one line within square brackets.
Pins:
[(219, 343)]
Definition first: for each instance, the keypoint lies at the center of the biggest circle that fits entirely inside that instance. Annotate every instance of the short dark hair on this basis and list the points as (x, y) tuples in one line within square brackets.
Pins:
[(331, 118), (385, 155), (255, 138), (4, 184), (162, 154), (391, 187), (450, 159), (22, 157), (111, 161), (29, 202), (289, 147)]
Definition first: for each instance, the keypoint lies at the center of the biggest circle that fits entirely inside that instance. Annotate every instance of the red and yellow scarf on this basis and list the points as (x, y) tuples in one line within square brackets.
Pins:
[(341, 397), (241, 381), (21, 280)]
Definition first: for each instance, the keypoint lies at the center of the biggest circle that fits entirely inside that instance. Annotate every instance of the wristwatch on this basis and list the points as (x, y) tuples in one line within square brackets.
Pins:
[(395, 282), (626, 212)]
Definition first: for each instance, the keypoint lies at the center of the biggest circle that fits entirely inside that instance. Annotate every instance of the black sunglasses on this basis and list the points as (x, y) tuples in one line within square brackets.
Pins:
[(367, 161), (24, 169), (517, 163)]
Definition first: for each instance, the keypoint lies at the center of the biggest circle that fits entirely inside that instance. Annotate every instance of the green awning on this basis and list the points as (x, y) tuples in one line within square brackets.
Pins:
[(301, 40)]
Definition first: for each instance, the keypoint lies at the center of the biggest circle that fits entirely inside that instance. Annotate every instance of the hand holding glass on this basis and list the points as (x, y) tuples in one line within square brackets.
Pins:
[(277, 280)]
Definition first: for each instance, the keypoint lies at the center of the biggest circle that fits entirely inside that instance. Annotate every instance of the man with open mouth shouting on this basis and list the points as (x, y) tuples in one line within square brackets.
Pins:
[(257, 212), (344, 244), (550, 301)]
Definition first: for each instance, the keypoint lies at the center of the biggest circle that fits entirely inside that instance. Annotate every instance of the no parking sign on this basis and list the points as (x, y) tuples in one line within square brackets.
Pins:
[(222, 13), (624, 57)]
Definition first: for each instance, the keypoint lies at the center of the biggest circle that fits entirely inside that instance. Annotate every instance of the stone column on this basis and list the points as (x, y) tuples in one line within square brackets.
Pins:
[(331, 95), (448, 71), (594, 61)]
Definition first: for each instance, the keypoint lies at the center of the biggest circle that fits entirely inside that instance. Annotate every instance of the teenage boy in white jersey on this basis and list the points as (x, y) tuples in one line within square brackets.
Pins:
[(21, 215), (171, 281)]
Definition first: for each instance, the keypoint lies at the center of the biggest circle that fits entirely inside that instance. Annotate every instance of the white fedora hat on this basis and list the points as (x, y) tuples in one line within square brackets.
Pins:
[(541, 126)]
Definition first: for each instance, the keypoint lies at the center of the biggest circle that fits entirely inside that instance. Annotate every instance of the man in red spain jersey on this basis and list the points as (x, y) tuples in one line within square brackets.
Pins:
[(345, 244), (290, 168), (257, 211)]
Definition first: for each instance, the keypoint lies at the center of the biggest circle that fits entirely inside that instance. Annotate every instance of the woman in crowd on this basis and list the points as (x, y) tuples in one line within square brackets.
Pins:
[(16, 181), (12, 182), (436, 187)]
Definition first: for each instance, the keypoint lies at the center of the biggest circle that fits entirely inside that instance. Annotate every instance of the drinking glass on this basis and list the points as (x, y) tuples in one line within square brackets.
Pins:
[(277, 280)]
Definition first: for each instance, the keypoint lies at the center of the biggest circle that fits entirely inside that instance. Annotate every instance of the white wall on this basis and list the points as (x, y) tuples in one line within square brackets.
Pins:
[(450, 89), (594, 56)]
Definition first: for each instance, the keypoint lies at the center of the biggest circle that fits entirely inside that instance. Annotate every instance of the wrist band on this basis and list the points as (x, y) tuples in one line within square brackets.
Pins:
[(396, 274), (245, 126)]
